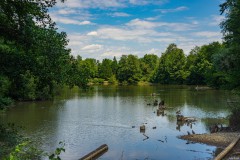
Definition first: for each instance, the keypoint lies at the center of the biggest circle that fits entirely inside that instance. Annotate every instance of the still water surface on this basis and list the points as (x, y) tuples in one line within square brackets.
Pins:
[(112, 115)]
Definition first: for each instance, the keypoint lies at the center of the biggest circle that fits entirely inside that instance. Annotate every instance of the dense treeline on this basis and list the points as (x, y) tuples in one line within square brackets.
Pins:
[(203, 66)]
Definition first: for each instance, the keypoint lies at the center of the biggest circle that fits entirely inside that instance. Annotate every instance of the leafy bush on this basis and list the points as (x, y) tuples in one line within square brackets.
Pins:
[(27, 91), (9, 137), (113, 80), (56, 154), (97, 80), (5, 102), (25, 151), (4, 89)]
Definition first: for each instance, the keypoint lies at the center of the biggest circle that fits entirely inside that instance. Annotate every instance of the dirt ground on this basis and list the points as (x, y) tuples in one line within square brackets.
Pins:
[(219, 139)]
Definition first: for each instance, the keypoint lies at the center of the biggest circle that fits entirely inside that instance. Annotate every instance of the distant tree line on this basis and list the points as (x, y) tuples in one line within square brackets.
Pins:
[(203, 66)]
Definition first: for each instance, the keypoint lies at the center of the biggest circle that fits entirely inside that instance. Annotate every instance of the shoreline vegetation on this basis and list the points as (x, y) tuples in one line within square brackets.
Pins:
[(36, 61)]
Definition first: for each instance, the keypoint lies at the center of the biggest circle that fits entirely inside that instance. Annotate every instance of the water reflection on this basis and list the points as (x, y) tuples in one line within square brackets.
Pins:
[(113, 115)]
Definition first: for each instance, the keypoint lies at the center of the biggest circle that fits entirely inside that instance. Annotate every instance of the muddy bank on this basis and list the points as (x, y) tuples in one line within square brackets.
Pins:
[(219, 139)]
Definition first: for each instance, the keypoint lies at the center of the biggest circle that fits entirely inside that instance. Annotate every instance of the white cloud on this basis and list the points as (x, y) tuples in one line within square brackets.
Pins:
[(207, 34), (216, 20), (126, 34), (103, 4), (153, 51), (66, 11), (92, 47), (195, 22), (68, 20), (138, 37), (142, 31), (93, 33), (178, 9), (92, 4), (141, 24), (138, 23), (152, 18), (119, 14), (146, 2), (138, 2)]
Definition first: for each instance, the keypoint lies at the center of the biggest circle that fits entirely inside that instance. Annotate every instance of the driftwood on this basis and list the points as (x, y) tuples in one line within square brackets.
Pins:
[(228, 149), (186, 119), (142, 128), (96, 153)]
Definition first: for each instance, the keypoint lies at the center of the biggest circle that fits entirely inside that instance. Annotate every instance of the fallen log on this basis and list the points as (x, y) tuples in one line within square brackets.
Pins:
[(96, 153), (227, 149)]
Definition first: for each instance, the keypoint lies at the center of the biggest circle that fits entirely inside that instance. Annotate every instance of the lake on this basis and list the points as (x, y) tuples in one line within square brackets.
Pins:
[(112, 115)]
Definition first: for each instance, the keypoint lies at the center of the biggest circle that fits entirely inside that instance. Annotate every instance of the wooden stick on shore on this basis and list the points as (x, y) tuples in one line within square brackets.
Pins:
[(227, 149)]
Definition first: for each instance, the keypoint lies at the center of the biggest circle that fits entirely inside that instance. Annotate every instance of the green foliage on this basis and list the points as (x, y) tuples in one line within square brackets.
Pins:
[(113, 80), (15, 147), (230, 57), (114, 66), (5, 102), (148, 63), (33, 55), (171, 68), (129, 69), (202, 68), (4, 85), (4, 89), (84, 72), (105, 69), (27, 89), (25, 151), (97, 81), (56, 154), (9, 137)]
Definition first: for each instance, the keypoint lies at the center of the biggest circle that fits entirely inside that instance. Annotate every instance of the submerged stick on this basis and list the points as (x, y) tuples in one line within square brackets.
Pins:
[(96, 153)]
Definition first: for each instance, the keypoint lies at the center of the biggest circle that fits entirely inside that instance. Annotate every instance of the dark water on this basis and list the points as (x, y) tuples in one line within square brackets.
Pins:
[(86, 120)]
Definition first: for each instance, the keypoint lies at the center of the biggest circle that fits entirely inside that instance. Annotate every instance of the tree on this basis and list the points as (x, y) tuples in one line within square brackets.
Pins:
[(230, 57), (93, 66), (17, 16), (171, 67), (129, 69), (201, 66), (31, 49), (114, 65), (148, 63), (105, 69)]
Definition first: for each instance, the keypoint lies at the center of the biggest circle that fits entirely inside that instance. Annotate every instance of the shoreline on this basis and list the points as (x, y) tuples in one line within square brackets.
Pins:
[(219, 139)]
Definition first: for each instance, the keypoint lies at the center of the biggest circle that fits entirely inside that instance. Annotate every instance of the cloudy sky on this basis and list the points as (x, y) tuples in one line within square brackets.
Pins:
[(106, 28)]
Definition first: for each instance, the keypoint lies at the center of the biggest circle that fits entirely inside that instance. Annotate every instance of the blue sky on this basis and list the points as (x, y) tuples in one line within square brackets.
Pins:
[(106, 28)]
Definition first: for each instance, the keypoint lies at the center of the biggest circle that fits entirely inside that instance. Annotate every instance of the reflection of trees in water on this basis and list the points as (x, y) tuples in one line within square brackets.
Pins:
[(174, 96), (31, 114), (208, 99)]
